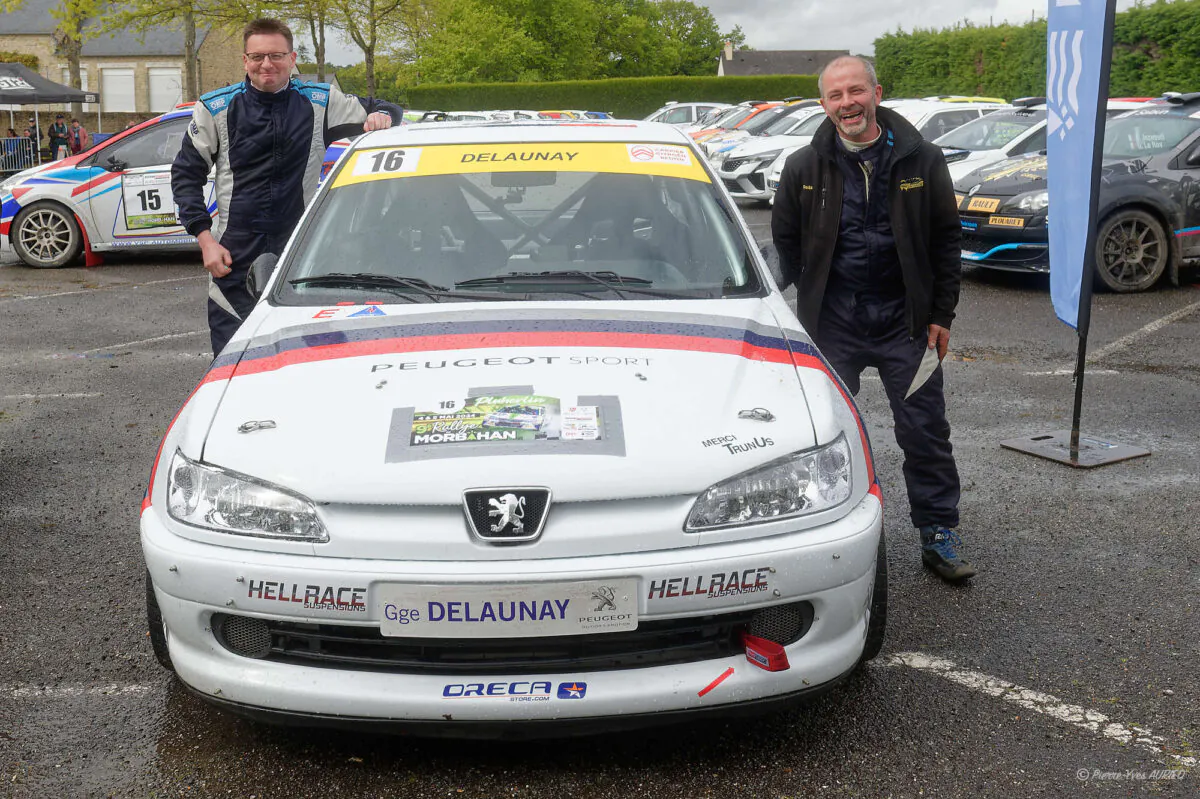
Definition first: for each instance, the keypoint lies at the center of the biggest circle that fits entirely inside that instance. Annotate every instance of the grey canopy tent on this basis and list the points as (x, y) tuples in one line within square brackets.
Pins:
[(20, 85)]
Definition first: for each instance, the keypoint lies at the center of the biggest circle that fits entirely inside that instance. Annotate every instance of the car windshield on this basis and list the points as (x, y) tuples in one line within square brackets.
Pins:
[(733, 118), (779, 127), (990, 132), (809, 126), (1144, 135), (764, 119), (446, 222)]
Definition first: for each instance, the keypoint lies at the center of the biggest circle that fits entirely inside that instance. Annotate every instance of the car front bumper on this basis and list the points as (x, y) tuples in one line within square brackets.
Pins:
[(748, 181), (831, 567), (1010, 249)]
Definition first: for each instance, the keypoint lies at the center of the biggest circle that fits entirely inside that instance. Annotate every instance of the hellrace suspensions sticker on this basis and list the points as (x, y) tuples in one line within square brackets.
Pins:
[(605, 157)]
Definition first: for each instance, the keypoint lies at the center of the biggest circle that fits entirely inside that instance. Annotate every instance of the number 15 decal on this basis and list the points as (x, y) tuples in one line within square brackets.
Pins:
[(148, 201), (395, 160)]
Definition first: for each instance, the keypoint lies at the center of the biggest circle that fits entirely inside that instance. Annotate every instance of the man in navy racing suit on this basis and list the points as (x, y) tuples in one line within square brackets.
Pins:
[(266, 139)]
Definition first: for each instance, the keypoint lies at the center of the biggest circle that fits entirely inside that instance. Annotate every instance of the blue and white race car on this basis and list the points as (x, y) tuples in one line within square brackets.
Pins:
[(115, 196)]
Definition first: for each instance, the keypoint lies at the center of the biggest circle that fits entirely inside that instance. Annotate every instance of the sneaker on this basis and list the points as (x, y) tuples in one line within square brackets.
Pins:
[(939, 552)]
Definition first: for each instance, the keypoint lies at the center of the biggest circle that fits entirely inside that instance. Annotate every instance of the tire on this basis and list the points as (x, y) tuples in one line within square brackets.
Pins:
[(1132, 251), (877, 623), (46, 236), (158, 630)]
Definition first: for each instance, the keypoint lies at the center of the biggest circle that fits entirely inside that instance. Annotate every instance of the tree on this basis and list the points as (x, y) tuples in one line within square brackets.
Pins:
[(476, 43), (71, 32), (142, 15), (316, 16), (694, 40), (567, 32), (369, 22)]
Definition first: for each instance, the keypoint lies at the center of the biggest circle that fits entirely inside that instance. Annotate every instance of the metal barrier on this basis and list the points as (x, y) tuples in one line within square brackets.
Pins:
[(17, 154)]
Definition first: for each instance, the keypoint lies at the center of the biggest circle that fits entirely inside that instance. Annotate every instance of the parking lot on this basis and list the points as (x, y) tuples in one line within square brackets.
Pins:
[(1067, 667)]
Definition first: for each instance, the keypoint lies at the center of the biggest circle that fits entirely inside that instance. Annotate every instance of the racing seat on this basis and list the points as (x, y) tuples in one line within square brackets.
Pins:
[(430, 232)]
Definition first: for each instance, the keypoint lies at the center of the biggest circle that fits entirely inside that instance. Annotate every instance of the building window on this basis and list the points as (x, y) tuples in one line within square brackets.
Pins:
[(83, 85), (116, 89), (166, 88)]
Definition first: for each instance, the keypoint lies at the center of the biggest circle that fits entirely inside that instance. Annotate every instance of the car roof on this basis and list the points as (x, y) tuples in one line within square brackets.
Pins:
[(524, 131)]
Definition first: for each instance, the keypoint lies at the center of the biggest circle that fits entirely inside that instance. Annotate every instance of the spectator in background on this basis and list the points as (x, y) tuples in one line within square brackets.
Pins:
[(31, 133), (78, 139), (57, 134)]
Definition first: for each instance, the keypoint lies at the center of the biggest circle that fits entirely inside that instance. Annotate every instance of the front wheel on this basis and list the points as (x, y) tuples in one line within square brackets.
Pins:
[(45, 235), (1132, 251), (158, 630), (877, 620)]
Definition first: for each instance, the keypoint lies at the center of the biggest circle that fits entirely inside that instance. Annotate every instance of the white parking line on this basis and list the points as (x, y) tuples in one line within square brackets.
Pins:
[(7, 300), (143, 341), (71, 691), (50, 396), (1157, 324), (1081, 717), (1071, 372)]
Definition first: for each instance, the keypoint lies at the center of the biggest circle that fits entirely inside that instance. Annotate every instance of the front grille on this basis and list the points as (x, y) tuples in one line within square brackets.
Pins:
[(732, 185), (732, 164), (653, 643)]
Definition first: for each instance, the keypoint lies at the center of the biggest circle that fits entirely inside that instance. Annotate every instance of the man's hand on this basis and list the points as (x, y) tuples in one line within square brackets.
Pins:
[(939, 337), (377, 121), (217, 259)]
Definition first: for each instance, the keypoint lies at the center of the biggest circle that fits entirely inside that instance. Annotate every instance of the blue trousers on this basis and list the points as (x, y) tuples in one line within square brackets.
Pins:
[(860, 331), (229, 303)]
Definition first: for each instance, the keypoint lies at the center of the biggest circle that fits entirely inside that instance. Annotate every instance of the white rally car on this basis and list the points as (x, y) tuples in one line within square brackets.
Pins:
[(344, 525), (116, 196)]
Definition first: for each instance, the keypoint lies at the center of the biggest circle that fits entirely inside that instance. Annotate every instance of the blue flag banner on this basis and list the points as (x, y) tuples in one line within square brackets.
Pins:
[(1076, 68)]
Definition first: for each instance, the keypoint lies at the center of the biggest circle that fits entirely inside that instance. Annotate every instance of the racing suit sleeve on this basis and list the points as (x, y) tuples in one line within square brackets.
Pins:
[(346, 113), (189, 172), (786, 226), (945, 245)]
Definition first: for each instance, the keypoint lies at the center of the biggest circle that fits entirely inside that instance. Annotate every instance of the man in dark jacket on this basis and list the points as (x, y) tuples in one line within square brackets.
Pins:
[(265, 138), (867, 227)]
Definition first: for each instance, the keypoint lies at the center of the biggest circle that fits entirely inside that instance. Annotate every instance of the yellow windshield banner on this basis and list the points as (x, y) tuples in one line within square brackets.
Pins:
[(384, 163)]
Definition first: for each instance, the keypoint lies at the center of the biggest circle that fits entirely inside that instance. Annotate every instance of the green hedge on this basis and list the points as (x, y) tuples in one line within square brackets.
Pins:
[(1156, 48), (7, 57), (630, 98)]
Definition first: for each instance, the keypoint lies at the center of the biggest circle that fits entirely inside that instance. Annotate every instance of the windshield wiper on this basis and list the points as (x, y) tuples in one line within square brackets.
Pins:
[(374, 280), (610, 280)]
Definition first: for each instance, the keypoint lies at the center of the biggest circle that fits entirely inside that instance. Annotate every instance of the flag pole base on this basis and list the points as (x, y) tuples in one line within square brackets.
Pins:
[(1056, 446)]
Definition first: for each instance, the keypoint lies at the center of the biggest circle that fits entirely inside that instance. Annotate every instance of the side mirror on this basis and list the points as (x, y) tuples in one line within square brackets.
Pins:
[(1193, 158), (115, 164), (771, 256), (260, 272)]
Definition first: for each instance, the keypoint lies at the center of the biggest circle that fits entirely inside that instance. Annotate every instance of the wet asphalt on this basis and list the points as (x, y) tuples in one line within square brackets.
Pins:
[(1089, 588)]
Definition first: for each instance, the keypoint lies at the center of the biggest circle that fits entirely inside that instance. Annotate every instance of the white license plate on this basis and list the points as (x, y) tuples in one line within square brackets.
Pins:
[(509, 610)]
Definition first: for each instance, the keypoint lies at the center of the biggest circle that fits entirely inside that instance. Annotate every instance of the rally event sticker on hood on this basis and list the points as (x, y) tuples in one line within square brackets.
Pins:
[(508, 417)]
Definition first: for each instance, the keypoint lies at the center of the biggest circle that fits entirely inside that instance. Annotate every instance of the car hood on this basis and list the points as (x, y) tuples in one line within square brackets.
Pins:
[(396, 404), (765, 144), (1006, 178)]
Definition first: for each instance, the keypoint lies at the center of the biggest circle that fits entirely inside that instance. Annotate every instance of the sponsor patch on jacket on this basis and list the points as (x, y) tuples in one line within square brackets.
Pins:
[(908, 184)]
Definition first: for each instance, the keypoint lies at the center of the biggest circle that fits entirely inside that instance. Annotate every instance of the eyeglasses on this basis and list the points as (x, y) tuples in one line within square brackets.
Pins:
[(257, 58)]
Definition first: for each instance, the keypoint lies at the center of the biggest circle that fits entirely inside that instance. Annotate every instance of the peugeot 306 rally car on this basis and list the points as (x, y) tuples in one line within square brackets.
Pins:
[(345, 525), (115, 196), (1148, 212)]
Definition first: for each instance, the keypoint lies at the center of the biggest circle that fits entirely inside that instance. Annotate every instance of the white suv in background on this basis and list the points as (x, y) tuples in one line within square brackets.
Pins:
[(680, 114), (745, 167)]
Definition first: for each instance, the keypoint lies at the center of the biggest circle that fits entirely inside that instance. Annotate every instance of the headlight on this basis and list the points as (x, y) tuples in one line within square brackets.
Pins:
[(767, 157), (11, 183), (718, 157), (799, 484), (1034, 201), (216, 499)]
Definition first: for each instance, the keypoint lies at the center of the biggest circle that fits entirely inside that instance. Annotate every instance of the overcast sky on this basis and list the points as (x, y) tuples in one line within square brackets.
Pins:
[(834, 24)]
